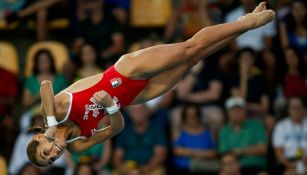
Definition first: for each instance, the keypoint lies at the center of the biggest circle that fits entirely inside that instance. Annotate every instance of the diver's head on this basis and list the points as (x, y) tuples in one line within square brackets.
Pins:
[(43, 151)]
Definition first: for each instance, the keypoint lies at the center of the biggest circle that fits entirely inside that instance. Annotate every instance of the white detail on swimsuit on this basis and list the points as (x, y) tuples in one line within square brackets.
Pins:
[(95, 108)]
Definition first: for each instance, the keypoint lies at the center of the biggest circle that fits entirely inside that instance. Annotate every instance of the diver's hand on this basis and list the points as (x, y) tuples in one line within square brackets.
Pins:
[(50, 132), (103, 98)]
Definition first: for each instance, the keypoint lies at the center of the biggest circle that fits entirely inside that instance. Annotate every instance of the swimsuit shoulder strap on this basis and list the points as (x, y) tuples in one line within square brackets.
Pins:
[(74, 139), (69, 108)]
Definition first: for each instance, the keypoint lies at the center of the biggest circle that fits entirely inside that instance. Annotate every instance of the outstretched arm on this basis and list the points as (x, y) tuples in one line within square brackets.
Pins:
[(117, 124), (48, 107)]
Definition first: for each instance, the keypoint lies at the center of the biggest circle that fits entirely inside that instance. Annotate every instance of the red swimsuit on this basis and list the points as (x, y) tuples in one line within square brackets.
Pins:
[(87, 114)]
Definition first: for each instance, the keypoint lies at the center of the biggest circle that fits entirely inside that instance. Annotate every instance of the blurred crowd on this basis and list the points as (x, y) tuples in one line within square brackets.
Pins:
[(241, 111)]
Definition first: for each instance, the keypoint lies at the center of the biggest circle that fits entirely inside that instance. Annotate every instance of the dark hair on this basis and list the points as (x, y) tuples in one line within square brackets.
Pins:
[(33, 144), (294, 97), (79, 165), (301, 64), (245, 49), (239, 54), (185, 110), (285, 109), (36, 60), (78, 60)]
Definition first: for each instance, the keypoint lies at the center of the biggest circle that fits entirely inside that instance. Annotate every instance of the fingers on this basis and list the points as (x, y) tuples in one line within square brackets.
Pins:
[(102, 97)]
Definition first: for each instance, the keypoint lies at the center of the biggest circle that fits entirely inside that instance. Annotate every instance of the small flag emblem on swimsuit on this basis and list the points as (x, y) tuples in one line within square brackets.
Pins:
[(115, 82)]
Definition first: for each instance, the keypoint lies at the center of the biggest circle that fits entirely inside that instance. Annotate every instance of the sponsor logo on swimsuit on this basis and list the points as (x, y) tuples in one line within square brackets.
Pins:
[(115, 82), (92, 107), (96, 108)]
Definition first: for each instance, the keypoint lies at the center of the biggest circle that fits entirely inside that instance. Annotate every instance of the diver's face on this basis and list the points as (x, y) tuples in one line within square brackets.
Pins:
[(48, 150)]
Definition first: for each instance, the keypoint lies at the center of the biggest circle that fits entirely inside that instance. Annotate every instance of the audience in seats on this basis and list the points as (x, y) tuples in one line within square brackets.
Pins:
[(142, 147), (249, 84), (260, 75), (43, 69), (100, 29), (87, 62), (243, 137), (290, 138), (194, 147), (294, 83), (293, 28)]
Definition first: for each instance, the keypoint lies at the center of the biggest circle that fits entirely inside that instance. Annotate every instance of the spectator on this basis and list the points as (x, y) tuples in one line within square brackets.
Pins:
[(194, 148), (282, 8), (3, 169), (230, 165), (270, 68), (84, 169), (294, 81), (120, 9), (87, 63), (98, 156), (204, 87), (43, 69), (100, 29), (249, 84), (258, 39), (141, 148), (43, 11), (243, 137), (290, 138), (74, 57), (8, 92), (294, 29), (29, 169)]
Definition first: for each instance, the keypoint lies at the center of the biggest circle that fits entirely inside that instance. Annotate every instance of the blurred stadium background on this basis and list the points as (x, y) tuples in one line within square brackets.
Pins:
[(241, 111)]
